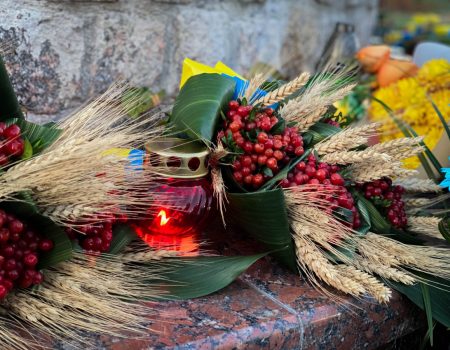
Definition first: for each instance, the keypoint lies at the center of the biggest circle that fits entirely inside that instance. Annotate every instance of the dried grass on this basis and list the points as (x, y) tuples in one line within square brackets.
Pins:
[(78, 175), (89, 294), (317, 234)]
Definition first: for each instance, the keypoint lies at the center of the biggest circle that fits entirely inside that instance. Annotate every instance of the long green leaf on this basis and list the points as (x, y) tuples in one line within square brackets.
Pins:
[(9, 107), (365, 217), (263, 215), (197, 107), (39, 136), (408, 131), (444, 228), (439, 296), (441, 117), (62, 250), (198, 276), (122, 236), (378, 223), (321, 131), (428, 309)]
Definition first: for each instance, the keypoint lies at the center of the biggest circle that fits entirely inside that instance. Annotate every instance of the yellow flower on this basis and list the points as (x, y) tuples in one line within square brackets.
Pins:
[(442, 29), (409, 99)]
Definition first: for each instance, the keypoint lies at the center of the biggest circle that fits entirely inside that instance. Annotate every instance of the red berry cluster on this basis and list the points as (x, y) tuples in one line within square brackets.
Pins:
[(11, 145), (382, 193), (264, 155), (319, 173), (19, 254), (95, 235)]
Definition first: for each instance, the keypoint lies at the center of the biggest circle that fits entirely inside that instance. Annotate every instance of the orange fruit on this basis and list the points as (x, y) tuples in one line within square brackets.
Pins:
[(373, 57), (394, 70)]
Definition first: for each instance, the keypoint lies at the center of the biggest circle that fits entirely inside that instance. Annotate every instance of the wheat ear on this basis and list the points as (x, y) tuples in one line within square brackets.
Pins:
[(373, 286), (427, 225), (351, 157), (284, 91), (347, 139), (365, 172), (414, 185)]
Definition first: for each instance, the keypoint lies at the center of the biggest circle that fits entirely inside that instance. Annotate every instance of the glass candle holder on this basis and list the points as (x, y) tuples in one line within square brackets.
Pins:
[(183, 197)]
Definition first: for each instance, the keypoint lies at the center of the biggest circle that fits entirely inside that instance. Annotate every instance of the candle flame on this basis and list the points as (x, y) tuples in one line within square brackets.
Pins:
[(164, 219)]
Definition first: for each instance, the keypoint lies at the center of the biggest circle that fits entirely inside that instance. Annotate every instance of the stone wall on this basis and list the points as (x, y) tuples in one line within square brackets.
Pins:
[(67, 51)]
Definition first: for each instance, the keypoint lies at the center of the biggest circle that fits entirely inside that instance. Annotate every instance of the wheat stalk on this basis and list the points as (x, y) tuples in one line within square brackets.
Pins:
[(77, 175), (373, 286), (417, 202), (147, 255), (365, 172), (414, 185), (347, 139), (431, 260), (385, 272), (310, 258), (427, 225), (401, 143), (284, 91), (351, 157), (94, 294), (253, 86), (323, 90)]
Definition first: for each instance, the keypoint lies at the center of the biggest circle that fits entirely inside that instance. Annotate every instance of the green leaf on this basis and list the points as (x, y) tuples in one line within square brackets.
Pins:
[(9, 108), (278, 128), (141, 100), (321, 131), (283, 173), (197, 107), (428, 309), (27, 150), (408, 131), (122, 236), (198, 276), (62, 250), (39, 136), (441, 117), (378, 222), (263, 215), (364, 217), (24, 207), (439, 296), (444, 228), (267, 171)]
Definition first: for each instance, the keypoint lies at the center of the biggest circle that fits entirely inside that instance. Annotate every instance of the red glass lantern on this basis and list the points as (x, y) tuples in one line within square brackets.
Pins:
[(184, 197)]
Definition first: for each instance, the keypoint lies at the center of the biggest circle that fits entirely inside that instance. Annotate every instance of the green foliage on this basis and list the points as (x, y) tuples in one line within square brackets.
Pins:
[(436, 298), (198, 105), (39, 136), (9, 107), (141, 99), (444, 228), (425, 158), (202, 275), (321, 131), (122, 236), (263, 215)]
